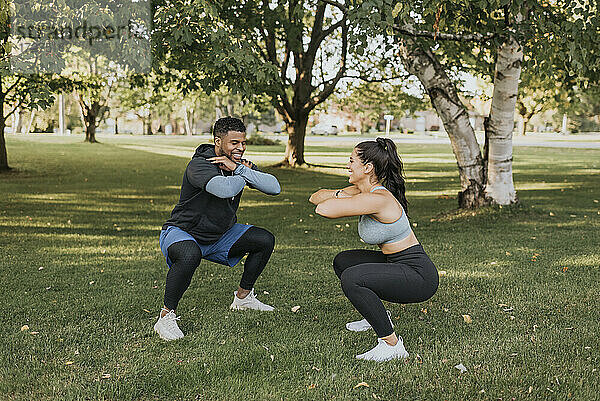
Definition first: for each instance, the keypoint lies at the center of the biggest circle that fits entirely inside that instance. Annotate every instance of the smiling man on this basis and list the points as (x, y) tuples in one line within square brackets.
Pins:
[(203, 224)]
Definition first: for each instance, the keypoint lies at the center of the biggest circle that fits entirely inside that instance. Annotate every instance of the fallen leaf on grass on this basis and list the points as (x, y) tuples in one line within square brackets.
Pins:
[(315, 368), (461, 367), (266, 292), (361, 384), (312, 386), (295, 308), (69, 363), (551, 214), (424, 310), (146, 310), (41, 268), (105, 376), (272, 357), (467, 319), (33, 333), (565, 268), (24, 327)]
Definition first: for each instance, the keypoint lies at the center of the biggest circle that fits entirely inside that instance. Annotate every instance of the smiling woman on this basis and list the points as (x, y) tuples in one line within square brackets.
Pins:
[(401, 272)]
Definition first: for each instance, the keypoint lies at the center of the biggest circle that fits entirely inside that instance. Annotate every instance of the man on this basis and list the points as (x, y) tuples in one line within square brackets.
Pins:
[(203, 224)]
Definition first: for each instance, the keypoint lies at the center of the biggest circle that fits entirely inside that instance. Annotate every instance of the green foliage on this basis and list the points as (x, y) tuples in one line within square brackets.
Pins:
[(259, 140)]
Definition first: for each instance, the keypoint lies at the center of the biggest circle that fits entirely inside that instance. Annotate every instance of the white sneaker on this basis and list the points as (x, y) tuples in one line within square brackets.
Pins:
[(167, 328), (249, 302), (384, 352), (362, 325)]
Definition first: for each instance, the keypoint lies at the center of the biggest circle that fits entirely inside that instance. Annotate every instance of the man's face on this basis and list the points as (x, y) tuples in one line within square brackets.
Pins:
[(232, 145)]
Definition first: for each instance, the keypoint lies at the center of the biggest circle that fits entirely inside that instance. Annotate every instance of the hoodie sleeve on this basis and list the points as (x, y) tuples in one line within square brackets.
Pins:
[(255, 178), (200, 171)]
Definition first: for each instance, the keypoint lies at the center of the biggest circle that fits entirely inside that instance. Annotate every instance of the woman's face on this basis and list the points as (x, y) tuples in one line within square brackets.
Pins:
[(356, 168)]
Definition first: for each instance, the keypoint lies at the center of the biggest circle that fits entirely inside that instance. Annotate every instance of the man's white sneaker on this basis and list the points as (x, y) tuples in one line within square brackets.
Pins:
[(249, 302), (362, 325), (384, 352), (167, 328)]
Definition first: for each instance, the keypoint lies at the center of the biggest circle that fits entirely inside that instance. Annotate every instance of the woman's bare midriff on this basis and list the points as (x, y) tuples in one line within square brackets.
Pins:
[(401, 245)]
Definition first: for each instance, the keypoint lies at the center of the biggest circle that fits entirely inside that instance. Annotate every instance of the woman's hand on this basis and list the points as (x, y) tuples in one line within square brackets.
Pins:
[(321, 195)]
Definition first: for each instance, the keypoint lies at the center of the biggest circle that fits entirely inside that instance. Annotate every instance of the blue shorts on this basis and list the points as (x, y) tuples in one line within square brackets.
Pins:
[(217, 252)]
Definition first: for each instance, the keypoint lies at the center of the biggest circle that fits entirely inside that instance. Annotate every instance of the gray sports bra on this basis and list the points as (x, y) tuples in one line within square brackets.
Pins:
[(375, 232)]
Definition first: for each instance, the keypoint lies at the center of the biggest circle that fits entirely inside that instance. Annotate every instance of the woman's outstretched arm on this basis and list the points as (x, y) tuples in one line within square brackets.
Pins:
[(362, 203), (323, 194)]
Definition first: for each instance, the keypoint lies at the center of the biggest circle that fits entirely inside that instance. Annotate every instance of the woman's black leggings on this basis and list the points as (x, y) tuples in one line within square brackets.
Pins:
[(367, 277), (185, 256)]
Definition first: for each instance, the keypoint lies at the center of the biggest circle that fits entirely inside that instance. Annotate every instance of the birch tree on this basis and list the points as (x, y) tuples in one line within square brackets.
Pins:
[(493, 39)]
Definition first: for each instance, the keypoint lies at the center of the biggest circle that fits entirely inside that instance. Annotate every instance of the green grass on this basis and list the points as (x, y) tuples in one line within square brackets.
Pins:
[(90, 215)]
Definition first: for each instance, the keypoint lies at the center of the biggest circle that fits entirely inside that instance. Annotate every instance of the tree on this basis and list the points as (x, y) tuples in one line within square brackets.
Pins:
[(259, 47), (437, 39), (17, 91), (369, 101), (539, 94)]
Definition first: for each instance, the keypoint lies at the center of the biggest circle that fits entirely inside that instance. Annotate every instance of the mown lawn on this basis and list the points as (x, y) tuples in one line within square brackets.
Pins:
[(81, 267)]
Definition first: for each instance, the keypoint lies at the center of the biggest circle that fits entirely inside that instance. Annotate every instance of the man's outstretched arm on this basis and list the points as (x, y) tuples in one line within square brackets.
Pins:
[(264, 182), (225, 187)]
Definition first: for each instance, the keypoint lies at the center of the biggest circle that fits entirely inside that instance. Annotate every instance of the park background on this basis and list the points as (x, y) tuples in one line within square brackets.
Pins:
[(496, 113)]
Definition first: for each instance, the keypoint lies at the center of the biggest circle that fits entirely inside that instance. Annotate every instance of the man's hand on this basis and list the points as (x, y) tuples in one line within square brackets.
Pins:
[(223, 162), (247, 163)]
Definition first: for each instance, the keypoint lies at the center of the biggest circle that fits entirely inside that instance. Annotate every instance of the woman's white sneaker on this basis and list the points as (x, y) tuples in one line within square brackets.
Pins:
[(249, 302), (363, 325), (384, 352), (167, 327)]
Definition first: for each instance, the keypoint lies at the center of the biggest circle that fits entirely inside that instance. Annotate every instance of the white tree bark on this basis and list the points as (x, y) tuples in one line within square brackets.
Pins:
[(422, 63), (499, 128)]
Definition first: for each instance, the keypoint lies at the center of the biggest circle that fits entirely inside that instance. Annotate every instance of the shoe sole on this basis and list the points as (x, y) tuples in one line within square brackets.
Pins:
[(401, 356), (165, 338), (237, 307)]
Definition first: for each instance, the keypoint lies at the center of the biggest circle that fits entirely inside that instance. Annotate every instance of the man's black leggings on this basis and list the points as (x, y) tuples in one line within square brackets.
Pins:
[(185, 256), (367, 277)]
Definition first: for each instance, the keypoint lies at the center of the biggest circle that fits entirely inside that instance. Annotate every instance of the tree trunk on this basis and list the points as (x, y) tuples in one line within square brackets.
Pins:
[(90, 128), (18, 121), (31, 118), (149, 126), (3, 154), (186, 120), (499, 130), (422, 63), (524, 127), (116, 125), (294, 150)]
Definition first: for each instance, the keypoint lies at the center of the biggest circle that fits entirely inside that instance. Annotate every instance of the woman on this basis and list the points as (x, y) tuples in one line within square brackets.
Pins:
[(400, 272)]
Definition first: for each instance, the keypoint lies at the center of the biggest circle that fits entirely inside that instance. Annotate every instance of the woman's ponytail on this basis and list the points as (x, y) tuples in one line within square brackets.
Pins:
[(389, 170)]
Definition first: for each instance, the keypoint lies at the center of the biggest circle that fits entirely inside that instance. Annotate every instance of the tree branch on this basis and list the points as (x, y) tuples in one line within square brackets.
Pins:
[(19, 103), (374, 80), (330, 87), (340, 6), (408, 29), (10, 88)]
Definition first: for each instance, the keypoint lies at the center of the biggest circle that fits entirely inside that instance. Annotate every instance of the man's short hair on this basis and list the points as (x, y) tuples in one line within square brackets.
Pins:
[(224, 125)]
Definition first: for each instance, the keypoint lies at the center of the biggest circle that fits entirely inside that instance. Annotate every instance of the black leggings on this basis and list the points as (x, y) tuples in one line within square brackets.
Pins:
[(367, 277), (185, 256)]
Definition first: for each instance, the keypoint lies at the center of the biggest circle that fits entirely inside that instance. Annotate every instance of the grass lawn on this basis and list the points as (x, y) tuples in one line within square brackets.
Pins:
[(81, 267)]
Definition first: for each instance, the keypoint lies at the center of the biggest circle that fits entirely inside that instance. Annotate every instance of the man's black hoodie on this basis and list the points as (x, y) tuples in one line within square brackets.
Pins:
[(201, 214)]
